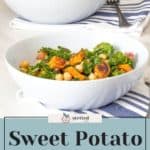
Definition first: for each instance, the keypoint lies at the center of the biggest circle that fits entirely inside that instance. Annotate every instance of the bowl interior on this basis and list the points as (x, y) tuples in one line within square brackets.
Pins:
[(27, 49)]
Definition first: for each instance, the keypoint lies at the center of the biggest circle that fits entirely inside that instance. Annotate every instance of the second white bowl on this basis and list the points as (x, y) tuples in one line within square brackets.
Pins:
[(55, 11)]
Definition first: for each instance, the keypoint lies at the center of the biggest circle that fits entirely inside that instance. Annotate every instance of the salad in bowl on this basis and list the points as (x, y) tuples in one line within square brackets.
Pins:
[(61, 64)]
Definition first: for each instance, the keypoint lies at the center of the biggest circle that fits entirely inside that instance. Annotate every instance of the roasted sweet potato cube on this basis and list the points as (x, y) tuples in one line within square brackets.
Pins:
[(102, 70), (125, 67), (77, 58), (57, 63), (74, 73)]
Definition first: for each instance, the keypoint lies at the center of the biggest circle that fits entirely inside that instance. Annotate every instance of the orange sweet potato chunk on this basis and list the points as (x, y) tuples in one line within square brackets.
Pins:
[(125, 67), (77, 58), (57, 63), (75, 73)]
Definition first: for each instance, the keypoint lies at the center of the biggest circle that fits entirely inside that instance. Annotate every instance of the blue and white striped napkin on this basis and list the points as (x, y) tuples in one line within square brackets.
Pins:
[(137, 13)]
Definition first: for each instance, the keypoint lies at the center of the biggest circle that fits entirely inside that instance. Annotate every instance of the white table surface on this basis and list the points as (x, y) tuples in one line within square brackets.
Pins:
[(9, 106)]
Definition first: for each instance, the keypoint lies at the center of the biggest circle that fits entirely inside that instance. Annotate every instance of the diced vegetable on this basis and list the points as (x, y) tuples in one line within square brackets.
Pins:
[(57, 63), (24, 64), (41, 55), (130, 55), (75, 73), (125, 67), (77, 58)]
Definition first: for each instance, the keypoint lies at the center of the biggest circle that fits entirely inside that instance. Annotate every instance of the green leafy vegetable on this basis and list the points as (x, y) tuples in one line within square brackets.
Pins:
[(115, 71), (87, 67), (104, 48), (42, 70), (60, 52), (91, 60), (119, 58)]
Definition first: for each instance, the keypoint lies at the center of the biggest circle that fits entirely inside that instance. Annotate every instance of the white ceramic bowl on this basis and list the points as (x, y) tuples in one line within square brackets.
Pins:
[(55, 11), (74, 94)]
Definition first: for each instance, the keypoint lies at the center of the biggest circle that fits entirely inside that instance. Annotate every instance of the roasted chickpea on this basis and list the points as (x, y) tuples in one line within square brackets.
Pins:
[(67, 76), (79, 67), (59, 77), (92, 76), (103, 56)]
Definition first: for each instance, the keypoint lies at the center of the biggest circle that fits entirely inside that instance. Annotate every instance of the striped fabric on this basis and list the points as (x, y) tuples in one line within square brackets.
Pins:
[(133, 104), (134, 10)]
